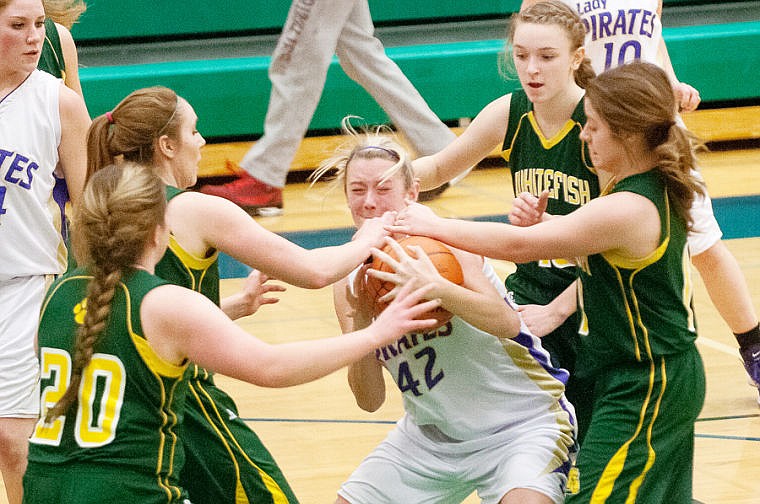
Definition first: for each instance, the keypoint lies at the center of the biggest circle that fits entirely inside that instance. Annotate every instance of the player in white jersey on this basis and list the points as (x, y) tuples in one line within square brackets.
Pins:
[(42, 125), (618, 32), (485, 410)]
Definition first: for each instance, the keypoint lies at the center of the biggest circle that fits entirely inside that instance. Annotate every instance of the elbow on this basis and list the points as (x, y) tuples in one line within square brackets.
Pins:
[(369, 404), (317, 279)]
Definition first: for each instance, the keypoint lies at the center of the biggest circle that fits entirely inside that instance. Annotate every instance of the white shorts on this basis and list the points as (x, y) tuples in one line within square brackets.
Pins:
[(410, 467), (705, 230), (21, 300)]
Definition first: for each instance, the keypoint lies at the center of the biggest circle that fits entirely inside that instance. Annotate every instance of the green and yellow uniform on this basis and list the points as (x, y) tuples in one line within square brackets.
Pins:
[(119, 441), (637, 343), (559, 165), (226, 462)]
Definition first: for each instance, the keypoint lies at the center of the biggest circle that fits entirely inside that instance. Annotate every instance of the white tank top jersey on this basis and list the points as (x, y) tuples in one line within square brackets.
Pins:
[(466, 383), (30, 221), (619, 31)]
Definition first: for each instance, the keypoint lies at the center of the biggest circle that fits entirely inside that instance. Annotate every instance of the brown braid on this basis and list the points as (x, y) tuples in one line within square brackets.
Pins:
[(117, 217)]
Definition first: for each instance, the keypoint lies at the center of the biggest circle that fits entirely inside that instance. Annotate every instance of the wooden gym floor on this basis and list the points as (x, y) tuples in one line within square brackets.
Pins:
[(318, 434)]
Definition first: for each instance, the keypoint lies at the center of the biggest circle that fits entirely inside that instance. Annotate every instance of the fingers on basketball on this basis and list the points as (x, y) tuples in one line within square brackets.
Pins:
[(440, 255)]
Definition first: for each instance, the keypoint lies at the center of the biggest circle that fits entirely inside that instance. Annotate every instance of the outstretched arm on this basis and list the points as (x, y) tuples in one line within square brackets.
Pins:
[(484, 134), (180, 325), (624, 222), (201, 222)]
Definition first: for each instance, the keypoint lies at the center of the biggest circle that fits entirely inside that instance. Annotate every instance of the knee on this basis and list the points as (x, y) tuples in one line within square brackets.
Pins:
[(14, 447)]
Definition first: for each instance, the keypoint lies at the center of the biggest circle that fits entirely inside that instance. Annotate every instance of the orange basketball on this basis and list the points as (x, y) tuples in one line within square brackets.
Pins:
[(440, 255)]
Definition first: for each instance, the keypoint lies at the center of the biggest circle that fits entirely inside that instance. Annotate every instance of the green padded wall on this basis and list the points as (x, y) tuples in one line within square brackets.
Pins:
[(122, 19)]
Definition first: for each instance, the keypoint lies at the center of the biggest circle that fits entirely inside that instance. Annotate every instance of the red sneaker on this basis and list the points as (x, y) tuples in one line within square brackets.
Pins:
[(249, 193)]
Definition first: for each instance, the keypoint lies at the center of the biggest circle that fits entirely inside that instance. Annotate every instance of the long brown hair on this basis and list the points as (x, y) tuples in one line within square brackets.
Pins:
[(120, 210), (637, 99)]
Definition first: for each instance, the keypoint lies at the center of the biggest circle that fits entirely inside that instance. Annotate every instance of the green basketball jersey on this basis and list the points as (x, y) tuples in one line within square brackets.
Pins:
[(179, 267), (128, 410), (559, 165), (635, 310)]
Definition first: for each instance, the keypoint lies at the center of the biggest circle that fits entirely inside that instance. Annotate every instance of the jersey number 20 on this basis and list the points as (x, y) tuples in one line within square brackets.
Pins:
[(99, 401)]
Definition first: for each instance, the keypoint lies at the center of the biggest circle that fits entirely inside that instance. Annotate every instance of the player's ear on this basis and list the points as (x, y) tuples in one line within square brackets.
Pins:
[(414, 190), (578, 57), (165, 146)]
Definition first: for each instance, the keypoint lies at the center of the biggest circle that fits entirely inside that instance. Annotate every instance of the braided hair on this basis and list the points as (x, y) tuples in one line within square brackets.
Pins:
[(120, 210)]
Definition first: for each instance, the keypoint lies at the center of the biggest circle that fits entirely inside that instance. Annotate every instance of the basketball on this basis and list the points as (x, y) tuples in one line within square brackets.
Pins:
[(440, 255)]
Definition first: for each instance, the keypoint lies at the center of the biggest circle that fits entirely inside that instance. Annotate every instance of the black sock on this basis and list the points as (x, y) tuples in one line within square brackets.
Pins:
[(748, 338)]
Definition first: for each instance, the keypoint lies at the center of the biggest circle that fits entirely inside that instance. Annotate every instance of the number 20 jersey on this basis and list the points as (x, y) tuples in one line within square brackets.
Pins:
[(129, 406)]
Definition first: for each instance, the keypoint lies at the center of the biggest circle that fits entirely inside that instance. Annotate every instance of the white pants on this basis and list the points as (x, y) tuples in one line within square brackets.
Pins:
[(21, 300), (410, 467), (313, 32)]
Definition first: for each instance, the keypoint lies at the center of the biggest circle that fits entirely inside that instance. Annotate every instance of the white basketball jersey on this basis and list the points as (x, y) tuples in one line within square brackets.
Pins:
[(30, 221), (467, 383), (620, 31)]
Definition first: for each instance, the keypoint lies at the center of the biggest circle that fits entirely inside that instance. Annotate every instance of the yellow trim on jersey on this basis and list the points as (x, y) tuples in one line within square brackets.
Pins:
[(188, 259), (507, 152), (548, 143), (151, 359), (278, 496), (623, 261)]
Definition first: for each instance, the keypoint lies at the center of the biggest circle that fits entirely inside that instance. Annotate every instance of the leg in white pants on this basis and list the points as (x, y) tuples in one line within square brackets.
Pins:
[(314, 31), (363, 58), (297, 72)]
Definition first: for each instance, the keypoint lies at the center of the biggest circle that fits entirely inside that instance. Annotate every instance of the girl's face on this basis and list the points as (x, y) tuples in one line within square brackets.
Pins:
[(188, 143), (607, 151), (22, 32), (544, 60), (367, 196)]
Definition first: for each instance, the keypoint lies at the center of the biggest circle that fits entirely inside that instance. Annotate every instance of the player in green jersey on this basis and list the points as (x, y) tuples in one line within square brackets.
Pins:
[(115, 342), (537, 128), (637, 325), (226, 461)]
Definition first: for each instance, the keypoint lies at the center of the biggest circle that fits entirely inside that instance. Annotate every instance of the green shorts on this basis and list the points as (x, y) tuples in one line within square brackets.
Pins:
[(94, 484), (225, 461), (640, 444)]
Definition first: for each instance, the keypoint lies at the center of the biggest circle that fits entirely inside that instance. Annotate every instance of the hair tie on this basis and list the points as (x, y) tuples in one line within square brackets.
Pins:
[(393, 154), (109, 117)]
